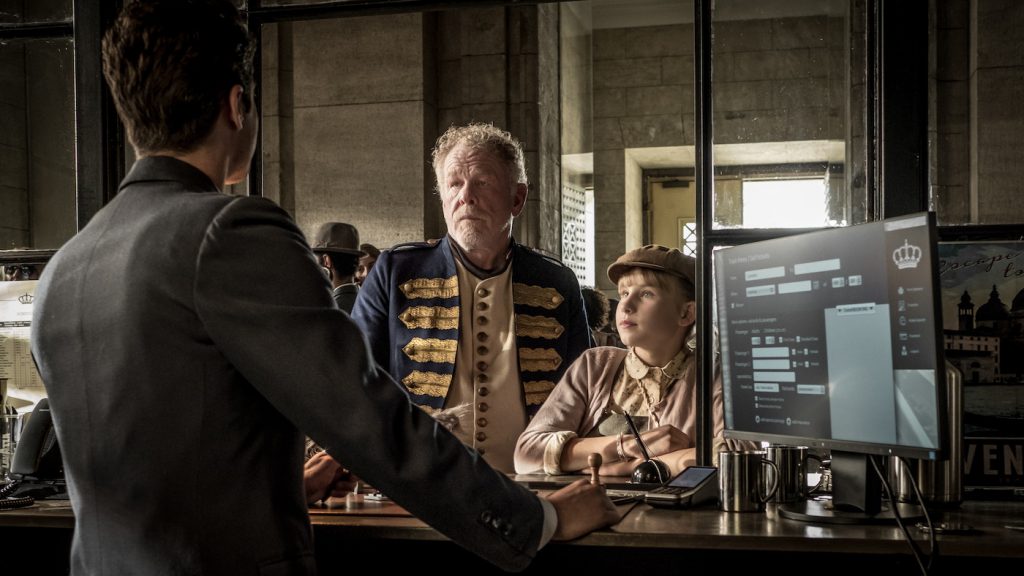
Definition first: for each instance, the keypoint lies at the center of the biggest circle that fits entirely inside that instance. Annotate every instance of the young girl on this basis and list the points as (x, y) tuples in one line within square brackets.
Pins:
[(654, 380)]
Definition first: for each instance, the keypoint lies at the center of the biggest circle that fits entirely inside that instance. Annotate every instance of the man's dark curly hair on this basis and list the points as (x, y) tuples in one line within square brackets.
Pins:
[(170, 64)]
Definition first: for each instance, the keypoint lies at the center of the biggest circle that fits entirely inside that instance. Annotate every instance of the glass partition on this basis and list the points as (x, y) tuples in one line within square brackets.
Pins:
[(789, 113), (35, 11), (37, 143)]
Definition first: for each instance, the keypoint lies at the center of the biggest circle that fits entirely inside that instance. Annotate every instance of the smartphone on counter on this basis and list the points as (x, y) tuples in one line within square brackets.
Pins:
[(693, 486)]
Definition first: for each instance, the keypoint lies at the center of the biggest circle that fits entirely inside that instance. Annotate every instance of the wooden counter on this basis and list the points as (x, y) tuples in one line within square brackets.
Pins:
[(670, 541)]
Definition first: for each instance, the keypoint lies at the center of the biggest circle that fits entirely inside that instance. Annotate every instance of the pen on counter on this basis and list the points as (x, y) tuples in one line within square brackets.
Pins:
[(636, 435)]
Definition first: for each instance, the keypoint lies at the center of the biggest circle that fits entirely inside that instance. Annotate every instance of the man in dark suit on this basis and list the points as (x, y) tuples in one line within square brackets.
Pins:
[(337, 246), (180, 373)]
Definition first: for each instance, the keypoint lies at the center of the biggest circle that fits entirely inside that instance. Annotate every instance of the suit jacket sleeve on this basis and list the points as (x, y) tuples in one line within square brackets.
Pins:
[(282, 332)]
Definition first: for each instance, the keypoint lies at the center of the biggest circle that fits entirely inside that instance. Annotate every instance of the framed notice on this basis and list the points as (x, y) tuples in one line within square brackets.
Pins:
[(20, 384), (983, 328)]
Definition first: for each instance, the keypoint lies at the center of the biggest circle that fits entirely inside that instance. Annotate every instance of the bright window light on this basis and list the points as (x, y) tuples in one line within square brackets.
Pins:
[(784, 203)]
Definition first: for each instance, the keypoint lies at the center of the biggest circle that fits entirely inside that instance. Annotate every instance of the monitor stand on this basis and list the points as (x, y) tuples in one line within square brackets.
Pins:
[(823, 512), (856, 497)]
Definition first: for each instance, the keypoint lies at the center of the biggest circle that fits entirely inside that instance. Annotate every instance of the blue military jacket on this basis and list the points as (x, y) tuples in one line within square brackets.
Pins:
[(409, 308)]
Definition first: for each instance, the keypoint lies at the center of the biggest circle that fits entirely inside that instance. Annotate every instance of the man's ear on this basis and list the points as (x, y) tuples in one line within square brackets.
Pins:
[(519, 199), (236, 107)]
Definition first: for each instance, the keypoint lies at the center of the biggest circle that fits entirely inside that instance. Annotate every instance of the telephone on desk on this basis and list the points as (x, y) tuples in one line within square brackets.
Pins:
[(37, 470)]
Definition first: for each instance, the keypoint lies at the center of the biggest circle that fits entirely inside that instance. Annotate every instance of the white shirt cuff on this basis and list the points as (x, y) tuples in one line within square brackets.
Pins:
[(550, 522)]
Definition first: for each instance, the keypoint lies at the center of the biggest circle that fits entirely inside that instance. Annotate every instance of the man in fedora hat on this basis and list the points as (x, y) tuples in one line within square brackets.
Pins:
[(337, 246)]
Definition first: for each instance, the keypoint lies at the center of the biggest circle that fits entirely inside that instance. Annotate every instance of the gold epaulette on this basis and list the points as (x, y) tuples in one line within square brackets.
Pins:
[(539, 359), (536, 296), (427, 383), (430, 288), (537, 391), (538, 327), (431, 350), (430, 317)]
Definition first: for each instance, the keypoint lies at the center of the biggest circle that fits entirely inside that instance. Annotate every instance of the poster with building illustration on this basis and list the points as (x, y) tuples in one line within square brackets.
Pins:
[(983, 327)]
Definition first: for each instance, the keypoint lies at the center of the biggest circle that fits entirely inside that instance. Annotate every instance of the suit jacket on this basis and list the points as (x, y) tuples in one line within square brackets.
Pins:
[(345, 296), (180, 374), (409, 308)]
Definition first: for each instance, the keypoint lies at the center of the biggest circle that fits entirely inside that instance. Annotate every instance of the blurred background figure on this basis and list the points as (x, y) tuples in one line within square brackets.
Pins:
[(596, 304), (14, 272), (337, 246), (366, 261), (610, 328)]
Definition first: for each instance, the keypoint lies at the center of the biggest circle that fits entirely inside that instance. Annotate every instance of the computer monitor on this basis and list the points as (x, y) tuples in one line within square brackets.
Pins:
[(831, 339)]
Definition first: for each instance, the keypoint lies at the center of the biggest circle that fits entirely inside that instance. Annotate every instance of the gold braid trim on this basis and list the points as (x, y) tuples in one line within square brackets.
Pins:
[(427, 383), (430, 317), (431, 350), (537, 391), (536, 296), (431, 288), (539, 359), (538, 327)]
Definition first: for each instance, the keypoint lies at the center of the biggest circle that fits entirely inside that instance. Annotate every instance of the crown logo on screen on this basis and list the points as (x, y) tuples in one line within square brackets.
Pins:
[(25, 298), (906, 256)]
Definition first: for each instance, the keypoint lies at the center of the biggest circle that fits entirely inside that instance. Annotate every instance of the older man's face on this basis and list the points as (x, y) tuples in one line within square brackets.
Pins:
[(479, 198)]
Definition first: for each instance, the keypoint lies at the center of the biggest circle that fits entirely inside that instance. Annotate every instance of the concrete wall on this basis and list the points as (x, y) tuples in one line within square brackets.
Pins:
[(51, 143), (353, 106), (500, 65), (346, 111), (14, 198), (643, 97), (949, 161), (996, 116), (976, 77), (577, 71)]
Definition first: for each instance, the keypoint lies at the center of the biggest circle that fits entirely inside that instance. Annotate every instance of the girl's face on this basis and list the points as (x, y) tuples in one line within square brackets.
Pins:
[(651, 315)]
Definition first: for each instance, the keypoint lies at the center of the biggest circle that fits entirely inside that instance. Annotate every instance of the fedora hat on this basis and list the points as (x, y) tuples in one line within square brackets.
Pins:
[(655, 257), (337, 237)]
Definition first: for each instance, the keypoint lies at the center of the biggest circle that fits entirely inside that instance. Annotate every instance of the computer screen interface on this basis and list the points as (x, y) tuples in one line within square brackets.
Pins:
[(830, 339)]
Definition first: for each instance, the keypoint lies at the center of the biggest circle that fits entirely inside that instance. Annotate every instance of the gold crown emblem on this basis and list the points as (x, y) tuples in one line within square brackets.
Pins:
[(906, 256), (26, 298)]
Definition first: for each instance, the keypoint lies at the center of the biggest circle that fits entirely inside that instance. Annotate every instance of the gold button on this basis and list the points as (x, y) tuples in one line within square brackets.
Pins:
[(483, 292), (407, 287), (481, 320), (481, 336), (482, 407), (481, 366), (482, 350), (483, 391), (481, 422), (480, 436), (482, 378), (481, 451), (482, 306)]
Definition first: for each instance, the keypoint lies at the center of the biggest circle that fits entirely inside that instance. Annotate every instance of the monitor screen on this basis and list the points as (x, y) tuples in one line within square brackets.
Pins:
[(830, 339)]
